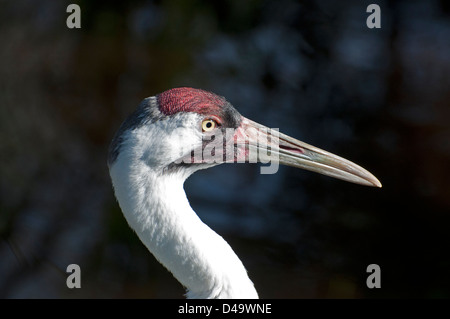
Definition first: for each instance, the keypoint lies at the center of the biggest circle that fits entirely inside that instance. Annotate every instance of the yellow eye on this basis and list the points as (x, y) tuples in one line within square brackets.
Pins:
[(208, 125)]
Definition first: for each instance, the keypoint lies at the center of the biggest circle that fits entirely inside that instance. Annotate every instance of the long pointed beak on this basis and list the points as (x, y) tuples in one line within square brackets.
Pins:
[(263, 145)]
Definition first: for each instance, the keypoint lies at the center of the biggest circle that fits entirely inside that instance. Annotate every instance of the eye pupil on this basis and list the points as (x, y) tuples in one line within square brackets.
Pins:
[(208, 125)]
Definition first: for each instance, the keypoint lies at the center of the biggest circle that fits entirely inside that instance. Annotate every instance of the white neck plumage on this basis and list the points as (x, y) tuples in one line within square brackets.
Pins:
[(156, 207)]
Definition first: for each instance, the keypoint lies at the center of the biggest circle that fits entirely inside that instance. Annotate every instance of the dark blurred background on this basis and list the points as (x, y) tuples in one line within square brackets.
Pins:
[(379, 97)]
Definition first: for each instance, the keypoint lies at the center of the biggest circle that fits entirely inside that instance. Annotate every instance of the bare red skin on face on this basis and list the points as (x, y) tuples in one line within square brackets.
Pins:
[(212, 106), (186, 99), (241, 140)]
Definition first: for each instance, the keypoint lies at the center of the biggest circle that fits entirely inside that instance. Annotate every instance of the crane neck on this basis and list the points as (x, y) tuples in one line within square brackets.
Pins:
[(156, 207)]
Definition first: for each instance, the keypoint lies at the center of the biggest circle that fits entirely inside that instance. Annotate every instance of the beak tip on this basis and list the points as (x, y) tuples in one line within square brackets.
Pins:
[(376, 183)]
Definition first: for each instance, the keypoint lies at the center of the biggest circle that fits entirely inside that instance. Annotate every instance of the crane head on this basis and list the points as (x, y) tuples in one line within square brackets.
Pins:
[(186, 129)]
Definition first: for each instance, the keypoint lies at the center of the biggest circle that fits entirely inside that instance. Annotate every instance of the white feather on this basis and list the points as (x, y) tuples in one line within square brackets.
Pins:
[(156, 207)]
